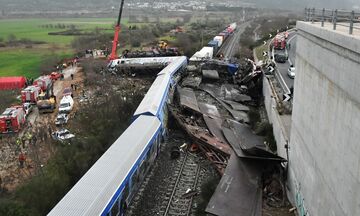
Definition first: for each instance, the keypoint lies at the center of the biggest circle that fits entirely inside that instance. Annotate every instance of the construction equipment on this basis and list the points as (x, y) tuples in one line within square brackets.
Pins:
[(162, 45), (116, 34), (46, 103)]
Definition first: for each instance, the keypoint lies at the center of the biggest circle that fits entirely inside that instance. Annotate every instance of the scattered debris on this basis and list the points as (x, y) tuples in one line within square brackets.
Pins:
[(210, 75), (188, 99), (175, 152), (189, 193)]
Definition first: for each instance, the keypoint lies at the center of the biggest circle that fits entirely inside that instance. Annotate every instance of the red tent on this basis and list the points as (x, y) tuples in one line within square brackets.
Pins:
[(7, 83)]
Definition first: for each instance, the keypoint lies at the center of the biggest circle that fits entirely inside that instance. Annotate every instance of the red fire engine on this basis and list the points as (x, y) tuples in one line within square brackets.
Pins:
[(30, 94), (12, 119)]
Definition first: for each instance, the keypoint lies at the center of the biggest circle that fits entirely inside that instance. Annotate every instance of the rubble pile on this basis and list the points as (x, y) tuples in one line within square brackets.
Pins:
[(212, 105)]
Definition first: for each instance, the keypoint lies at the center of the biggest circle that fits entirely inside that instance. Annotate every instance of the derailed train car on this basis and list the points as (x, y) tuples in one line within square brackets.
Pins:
[(108, 187), (154, 102)]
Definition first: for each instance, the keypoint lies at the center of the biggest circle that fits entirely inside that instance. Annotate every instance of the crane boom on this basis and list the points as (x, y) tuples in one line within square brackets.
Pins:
[(116, 33)]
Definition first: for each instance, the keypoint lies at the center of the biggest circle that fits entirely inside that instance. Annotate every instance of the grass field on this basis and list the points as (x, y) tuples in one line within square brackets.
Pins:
[(34, 28), (18, 61), (25, 62), (259, 52)]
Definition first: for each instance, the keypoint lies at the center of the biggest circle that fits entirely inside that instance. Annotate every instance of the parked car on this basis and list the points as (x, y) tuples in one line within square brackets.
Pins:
[(280, 58), (28, 107), (55, 75), (68, 91), (291, 72), (66, 104), (62, 135), (61, 119)]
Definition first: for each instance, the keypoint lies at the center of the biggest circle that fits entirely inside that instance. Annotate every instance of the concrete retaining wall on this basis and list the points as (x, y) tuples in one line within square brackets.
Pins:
[(274, 118), (324, 154)]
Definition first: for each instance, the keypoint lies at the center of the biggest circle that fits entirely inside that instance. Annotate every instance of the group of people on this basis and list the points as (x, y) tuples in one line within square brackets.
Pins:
[(22, 142), (30, 139), (71, 63)]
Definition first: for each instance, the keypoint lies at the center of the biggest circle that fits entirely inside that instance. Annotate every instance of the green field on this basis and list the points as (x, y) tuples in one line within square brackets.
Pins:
[(34, 29), (16, 61), (24, 62)]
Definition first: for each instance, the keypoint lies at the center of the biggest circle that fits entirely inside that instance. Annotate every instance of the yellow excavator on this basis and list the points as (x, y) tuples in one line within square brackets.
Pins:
[(162, 45), (46, 101)]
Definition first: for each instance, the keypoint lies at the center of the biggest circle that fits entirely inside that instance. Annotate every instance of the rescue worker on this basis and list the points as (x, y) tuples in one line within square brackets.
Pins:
[(29, 137), (22, 159), (18, 141), (34, 140)]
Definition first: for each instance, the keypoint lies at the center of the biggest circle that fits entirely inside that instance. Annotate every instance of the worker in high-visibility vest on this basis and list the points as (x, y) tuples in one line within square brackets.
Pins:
[(18, 142), (29, 136)]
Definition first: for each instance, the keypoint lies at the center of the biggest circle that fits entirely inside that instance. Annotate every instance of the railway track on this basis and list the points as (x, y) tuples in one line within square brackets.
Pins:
[(228, 49), (176, 202)]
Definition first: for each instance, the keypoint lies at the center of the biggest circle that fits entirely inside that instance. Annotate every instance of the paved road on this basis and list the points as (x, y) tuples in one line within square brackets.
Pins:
[(283, 67)]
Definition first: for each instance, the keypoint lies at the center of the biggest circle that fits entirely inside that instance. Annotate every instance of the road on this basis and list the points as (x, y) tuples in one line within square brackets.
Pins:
[(283, 67)]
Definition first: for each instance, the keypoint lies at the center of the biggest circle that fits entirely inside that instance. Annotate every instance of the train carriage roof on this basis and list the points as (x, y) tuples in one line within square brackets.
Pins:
[(174, 66), (151, 103), (94, 190)]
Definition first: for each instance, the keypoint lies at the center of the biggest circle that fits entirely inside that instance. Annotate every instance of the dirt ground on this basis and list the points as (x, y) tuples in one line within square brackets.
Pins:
[(40, 126)]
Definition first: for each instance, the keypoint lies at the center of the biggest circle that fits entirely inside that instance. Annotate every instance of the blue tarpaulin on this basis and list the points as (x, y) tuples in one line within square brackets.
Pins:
[(232, 68)]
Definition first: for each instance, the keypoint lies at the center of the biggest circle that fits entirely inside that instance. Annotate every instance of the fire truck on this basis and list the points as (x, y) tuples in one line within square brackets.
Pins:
[(30, 94), (279, 42), (12, 119)]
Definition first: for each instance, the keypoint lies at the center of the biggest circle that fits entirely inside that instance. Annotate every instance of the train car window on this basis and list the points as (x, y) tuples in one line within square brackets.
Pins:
[(123, 206), (126, 191), (146, 161), (134, 180), (141, 171), (115, 210), (153, 147)]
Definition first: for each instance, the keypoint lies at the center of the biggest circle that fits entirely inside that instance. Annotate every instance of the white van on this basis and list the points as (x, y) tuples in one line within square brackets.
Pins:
[(66, 104)]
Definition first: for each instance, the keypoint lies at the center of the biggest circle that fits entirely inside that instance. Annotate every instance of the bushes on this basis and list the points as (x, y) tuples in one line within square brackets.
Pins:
[(12, 208)]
